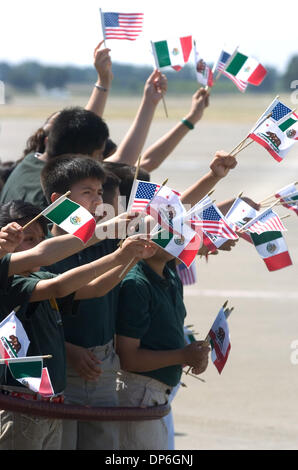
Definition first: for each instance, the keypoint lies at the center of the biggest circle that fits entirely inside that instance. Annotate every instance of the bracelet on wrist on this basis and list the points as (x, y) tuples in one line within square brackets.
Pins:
[(188, 124), (99, 87)]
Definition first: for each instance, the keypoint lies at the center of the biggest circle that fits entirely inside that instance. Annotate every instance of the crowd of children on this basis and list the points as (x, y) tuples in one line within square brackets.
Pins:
[(115, 335)]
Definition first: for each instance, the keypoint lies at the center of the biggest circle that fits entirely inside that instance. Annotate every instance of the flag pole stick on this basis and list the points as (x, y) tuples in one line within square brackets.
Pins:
[(41, 213), (278, 199), (24, 359), (102, 27), (240, 146), (272, 196), (156, 65), (137, 168)]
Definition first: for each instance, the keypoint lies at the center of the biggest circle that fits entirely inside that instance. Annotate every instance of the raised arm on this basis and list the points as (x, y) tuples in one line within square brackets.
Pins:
[(76, 278), (161, 149), (132, 145), (103, 66), (55, 249), (219, 168)]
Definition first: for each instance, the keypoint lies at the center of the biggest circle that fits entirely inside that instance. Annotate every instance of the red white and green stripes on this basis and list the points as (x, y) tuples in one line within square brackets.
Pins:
[(172, 52), (247, 69), (272, 247), (72, 218)]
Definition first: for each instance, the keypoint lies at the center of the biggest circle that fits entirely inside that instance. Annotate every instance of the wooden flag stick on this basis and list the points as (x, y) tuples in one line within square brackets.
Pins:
[(279, 199), (272, 196), (24, 359), (137, 168), (242, 148), (41, 213), (194, 376), (103, 27)]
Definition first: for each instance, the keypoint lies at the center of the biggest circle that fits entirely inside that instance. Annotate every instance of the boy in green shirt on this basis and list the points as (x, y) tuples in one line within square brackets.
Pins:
[(151, 346), (35, 294)]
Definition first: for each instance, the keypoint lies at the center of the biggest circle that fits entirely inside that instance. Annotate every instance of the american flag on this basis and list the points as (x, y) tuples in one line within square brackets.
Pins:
[(212, 221), (188, 276), (280, 111), (221, 65), (267, 222), (122, 25), (144, 193)]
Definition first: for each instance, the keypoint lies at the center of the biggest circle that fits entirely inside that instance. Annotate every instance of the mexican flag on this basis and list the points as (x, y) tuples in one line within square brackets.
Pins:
[(172, 52), (219, 338), (272, 247), (184, 247), (28, 371), (72, 218), (289, 196), (247, 69), (167, 209), (278, 139)]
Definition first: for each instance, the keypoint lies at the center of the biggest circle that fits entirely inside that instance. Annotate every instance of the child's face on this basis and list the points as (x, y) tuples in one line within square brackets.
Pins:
[(33, 235), (88, 193)]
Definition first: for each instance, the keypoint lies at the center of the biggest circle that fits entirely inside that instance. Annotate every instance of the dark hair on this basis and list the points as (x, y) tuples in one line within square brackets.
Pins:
[(5, 169), (110, 148), (76, 130), (112, 182), (21, 212), (36, 142), (61, 173), (126, 173)]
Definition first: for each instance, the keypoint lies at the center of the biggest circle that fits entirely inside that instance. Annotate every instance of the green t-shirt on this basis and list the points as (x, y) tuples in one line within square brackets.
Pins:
[(24, 183), (42, 323), (151, 309), (94, 323), (5, 281)]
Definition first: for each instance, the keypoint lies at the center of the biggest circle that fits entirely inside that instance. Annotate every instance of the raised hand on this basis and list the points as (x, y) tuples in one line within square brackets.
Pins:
[(10, 238), (222, 164), (103, 65), (155, 87)]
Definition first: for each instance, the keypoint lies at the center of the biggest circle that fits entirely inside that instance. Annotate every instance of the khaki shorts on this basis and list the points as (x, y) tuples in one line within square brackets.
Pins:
[(138, 390), (93, 435)]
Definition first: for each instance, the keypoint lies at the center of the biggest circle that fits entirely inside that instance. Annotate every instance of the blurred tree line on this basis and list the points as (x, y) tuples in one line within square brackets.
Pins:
[(129, 79)]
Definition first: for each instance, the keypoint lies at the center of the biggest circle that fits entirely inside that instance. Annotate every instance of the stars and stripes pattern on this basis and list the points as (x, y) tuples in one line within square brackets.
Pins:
[(280, 111), (213, 222), (144, 194), (122, 25), (221, 66), (268, 222), (188, 276)]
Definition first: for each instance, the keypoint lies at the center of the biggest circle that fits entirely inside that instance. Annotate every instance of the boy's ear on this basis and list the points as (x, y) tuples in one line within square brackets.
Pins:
[(55, 196)]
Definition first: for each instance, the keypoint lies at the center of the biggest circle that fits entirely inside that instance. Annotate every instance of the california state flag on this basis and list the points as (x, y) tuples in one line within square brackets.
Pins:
[(219, 338), (27, 370), (172, 52)]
